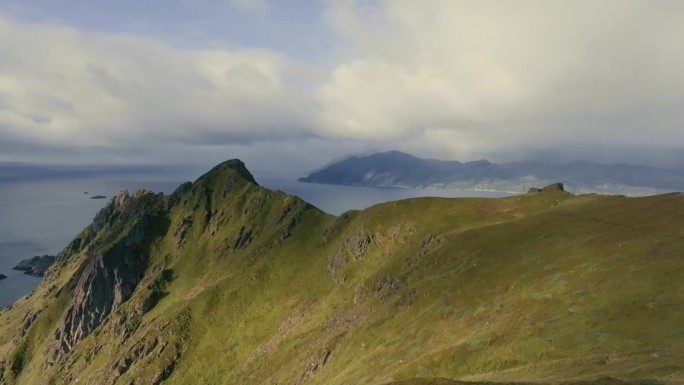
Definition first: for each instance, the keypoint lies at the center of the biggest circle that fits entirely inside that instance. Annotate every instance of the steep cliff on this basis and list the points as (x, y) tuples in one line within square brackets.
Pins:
[(110, 273)]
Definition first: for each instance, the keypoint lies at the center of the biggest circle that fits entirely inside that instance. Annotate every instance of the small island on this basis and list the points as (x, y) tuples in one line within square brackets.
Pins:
[(2, 276), (36, 266), (98, 197)]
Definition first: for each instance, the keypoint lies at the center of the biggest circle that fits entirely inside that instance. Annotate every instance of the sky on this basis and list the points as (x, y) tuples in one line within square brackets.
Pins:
[(290, 85)]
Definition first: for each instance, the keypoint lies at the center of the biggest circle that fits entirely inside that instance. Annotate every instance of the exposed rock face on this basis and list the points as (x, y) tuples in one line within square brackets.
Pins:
[(182, 230), (107, 281), (153, 348), (36, 266), (179, 193), (29, 318), (109, 277), (352, 248), (243, 239)]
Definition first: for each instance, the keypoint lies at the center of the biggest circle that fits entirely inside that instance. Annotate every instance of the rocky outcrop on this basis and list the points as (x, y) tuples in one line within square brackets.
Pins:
[(2, 276), (36, 266), (294, 211), (559, 187), (315, 363), (353, 247), (179, 194), (111, 274), (161, 347), (182, 230), (29, 318), (243, 239), (554, 187), (106, 282)]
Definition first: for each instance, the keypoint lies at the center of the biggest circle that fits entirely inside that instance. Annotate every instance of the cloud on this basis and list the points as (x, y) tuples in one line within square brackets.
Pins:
[(449, 79), (259, 6), (62, 86), (497, 74)]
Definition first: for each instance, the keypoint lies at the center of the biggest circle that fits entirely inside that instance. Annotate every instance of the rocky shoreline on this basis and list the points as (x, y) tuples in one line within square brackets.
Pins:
[(36, 266)]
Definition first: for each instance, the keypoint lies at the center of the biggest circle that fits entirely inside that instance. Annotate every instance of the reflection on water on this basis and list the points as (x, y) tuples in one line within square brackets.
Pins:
[(43, 216)]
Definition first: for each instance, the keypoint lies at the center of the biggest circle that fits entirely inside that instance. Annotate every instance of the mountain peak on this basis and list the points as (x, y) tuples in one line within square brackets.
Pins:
[(394, 154), (232, 166), (557, 187)]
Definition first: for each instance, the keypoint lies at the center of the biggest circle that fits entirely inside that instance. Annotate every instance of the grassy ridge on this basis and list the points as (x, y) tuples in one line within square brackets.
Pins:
[(262, 288)]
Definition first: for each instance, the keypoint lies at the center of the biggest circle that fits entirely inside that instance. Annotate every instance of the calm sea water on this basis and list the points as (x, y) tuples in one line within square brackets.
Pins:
[(43, 216)]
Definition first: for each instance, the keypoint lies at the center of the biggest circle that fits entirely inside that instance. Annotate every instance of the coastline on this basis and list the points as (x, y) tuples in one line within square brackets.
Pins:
[(416, 187)]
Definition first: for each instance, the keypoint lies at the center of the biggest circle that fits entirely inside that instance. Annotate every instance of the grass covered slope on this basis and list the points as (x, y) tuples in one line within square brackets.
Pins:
[(225, 282)]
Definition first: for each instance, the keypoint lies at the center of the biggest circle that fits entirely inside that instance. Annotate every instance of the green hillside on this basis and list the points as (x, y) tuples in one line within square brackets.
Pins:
[(225, 282)]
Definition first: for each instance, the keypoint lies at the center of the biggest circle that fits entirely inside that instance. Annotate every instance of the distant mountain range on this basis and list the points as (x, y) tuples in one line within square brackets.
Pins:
[(399, 169)]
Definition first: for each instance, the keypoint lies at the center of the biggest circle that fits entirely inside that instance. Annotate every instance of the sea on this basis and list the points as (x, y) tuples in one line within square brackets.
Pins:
[(41, 215)]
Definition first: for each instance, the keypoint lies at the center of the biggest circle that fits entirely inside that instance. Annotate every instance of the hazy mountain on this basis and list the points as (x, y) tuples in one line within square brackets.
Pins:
[(403, 170), (226, 282)]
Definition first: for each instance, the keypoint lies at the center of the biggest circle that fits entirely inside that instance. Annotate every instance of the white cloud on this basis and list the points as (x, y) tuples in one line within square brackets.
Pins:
[(494, 74), (259, 6), (450, 79), (62, 86)]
